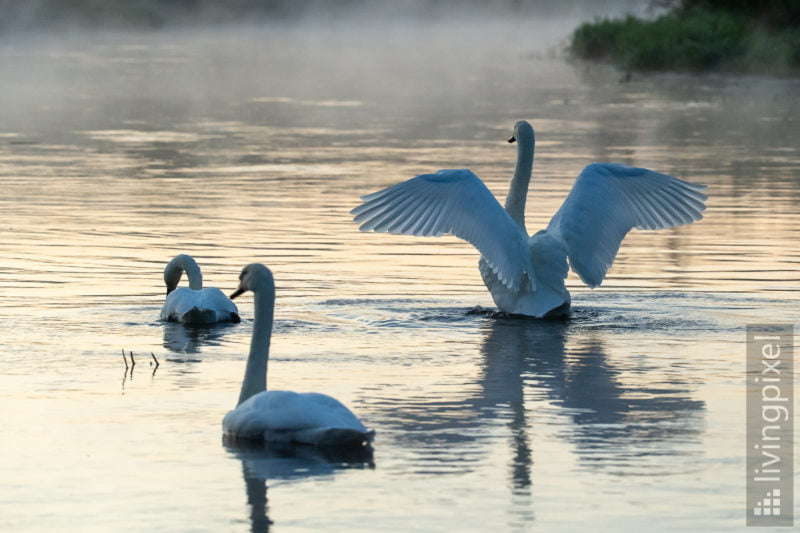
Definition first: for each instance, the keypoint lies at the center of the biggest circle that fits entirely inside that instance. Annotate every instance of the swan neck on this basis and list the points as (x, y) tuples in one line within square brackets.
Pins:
[(518, 191), (255, 375), (189, 265)]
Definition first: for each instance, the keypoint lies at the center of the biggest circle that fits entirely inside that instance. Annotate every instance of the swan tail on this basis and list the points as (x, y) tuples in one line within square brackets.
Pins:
[(195, 315), (339, 437)]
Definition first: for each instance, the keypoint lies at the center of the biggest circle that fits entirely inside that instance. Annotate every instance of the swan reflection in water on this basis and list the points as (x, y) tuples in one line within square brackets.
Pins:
[(186, 339), (262, 462), (614, 411), (186, 343), (613, 421)]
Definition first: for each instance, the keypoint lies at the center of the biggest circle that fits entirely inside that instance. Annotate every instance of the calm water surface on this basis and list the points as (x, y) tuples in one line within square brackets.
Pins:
[(119, 151)]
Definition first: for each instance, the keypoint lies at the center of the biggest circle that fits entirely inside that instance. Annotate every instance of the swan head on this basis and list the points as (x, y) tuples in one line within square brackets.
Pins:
[(182, 263), (254, 277), (523, 133), (173, 272)]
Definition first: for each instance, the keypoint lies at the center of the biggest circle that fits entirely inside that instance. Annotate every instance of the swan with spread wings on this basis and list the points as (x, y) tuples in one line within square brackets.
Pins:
[(525, 274)]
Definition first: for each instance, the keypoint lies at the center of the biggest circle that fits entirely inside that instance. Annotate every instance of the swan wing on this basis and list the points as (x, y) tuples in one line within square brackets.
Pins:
[(213, 298), (453, 202), (608, 200), (179, 302)]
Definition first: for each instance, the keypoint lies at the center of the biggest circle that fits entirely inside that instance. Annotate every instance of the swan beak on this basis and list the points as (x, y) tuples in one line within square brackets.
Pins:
[(512, 139), (237, 292)]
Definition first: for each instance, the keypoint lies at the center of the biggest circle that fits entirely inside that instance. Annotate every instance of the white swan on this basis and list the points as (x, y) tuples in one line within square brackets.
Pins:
[(194, 304), (283, 416), (525, 275)]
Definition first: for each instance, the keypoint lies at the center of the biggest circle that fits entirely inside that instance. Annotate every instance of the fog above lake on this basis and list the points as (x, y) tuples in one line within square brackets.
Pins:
[(59, 15), (377, 63)]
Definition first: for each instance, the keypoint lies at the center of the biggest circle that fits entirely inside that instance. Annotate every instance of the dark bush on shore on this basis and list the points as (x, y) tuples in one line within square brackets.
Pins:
[(699, 35)]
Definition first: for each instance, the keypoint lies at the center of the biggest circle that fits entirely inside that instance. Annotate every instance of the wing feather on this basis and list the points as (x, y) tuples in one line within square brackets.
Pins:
[(607, 201), (421, 218), (451, 202)]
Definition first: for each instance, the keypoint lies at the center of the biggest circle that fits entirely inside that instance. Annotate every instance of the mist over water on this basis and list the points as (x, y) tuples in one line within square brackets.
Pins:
[(58, 16), (242, 143)]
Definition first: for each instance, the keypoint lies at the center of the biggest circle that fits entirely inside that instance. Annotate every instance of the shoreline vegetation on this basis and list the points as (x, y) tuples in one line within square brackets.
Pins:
[(732, 36)]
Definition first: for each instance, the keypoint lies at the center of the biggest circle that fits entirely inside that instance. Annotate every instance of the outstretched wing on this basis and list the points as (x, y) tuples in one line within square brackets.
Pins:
[(451, 202), (608, 200)]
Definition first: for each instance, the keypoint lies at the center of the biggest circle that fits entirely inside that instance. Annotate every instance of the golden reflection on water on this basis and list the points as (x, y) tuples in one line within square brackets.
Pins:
[(503, 419)]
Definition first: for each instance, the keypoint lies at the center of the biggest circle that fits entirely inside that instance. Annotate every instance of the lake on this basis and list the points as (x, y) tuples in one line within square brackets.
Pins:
[(118, 151)]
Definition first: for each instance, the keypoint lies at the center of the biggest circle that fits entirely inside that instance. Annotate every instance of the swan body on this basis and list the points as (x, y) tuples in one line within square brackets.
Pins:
[(277, 415), (286, 416), (525, 274), (194, 304)]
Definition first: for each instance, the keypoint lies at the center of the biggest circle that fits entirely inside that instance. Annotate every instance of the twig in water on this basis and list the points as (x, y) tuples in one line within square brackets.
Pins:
[(155, 368), (133, 363), (124, 359)]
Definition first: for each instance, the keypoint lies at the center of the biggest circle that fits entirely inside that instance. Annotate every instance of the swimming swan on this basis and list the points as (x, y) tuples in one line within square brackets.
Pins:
[(525, 275), (283, 416), (194, 304)]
